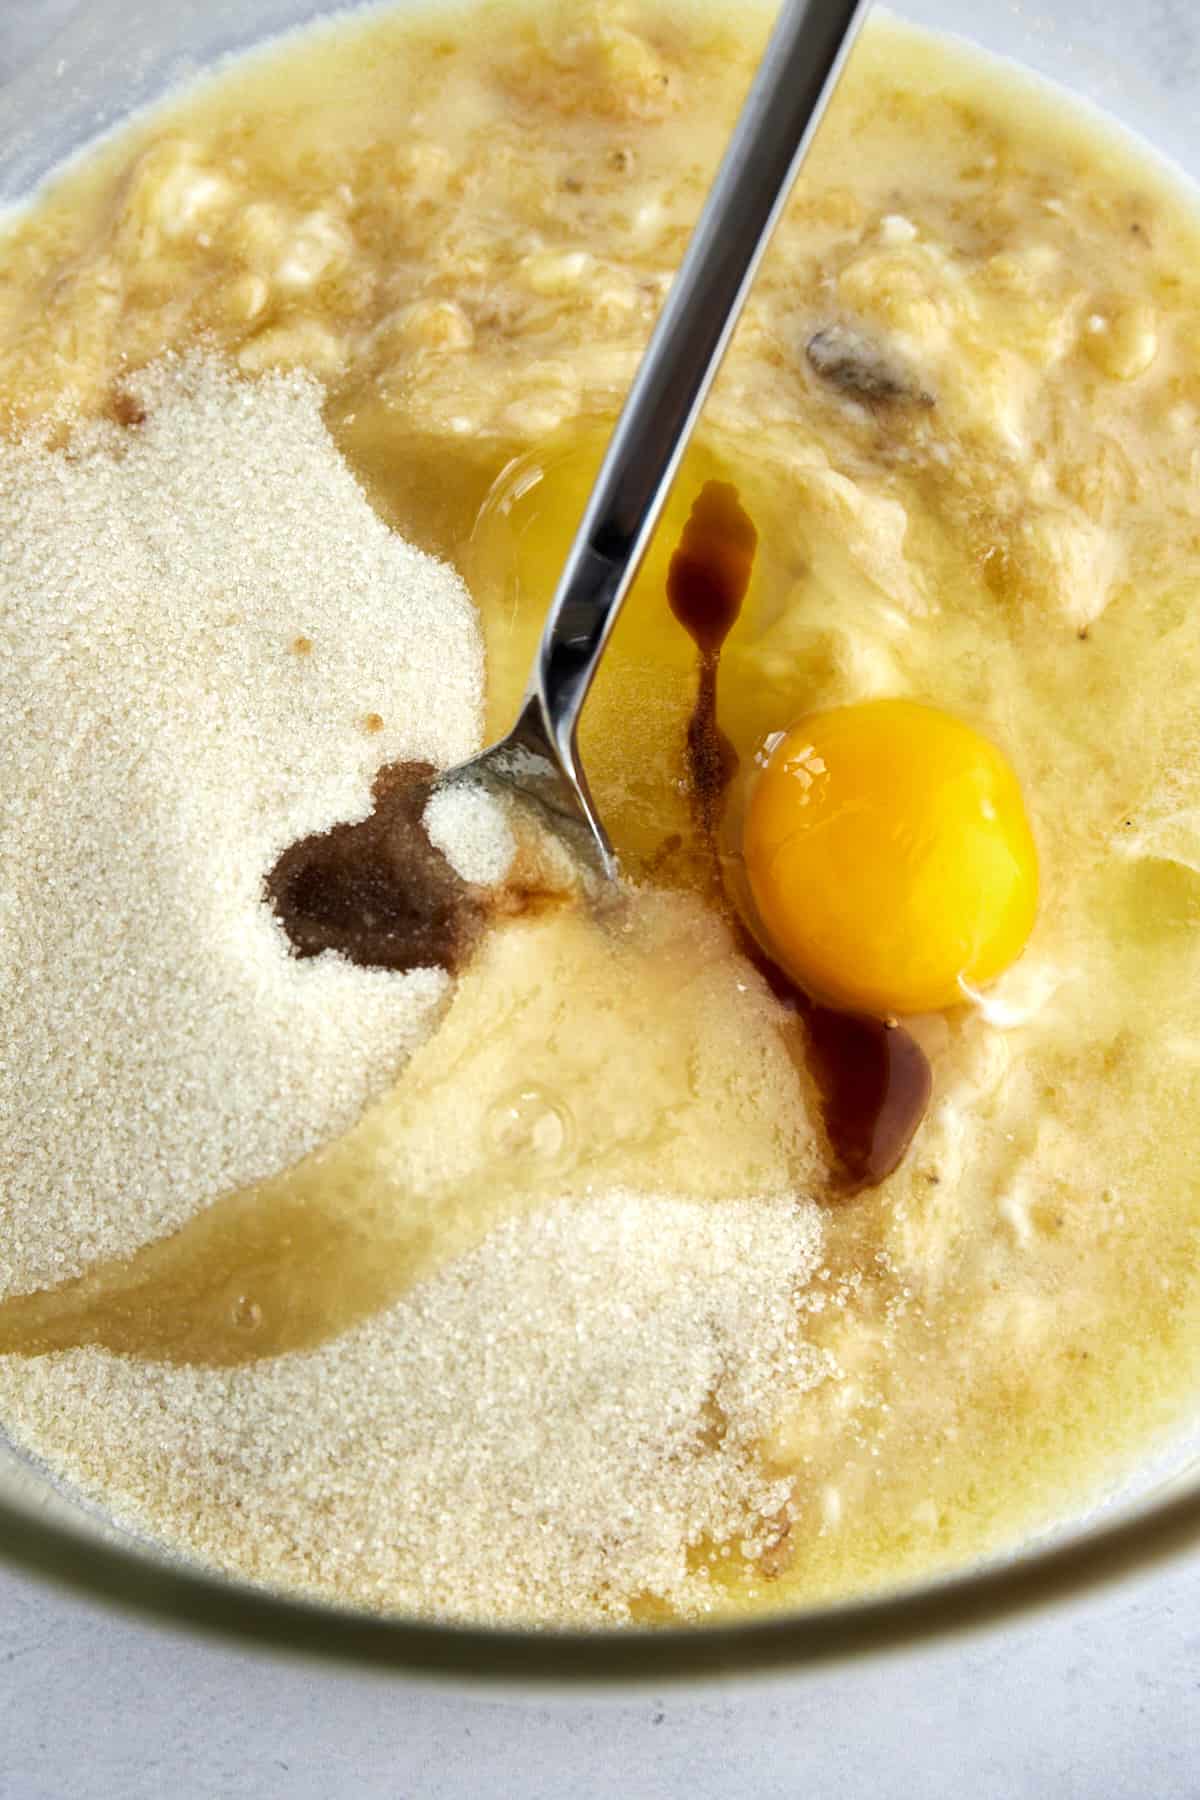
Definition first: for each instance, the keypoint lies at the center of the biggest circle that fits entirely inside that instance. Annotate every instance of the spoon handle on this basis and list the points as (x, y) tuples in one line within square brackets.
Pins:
[(797, 75)]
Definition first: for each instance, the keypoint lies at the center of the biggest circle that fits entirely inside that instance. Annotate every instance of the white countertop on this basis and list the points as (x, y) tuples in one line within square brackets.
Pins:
[(1100, 1702)]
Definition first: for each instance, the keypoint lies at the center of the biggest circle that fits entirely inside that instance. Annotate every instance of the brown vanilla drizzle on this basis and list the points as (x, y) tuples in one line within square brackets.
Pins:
[(873, 1077), (378, 892)]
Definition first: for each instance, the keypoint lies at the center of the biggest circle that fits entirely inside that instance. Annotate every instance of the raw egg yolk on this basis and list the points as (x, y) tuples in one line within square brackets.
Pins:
[(889, 857)]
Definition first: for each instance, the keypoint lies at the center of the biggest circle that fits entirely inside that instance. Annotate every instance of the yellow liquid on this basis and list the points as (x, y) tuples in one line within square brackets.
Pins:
[(526, 1091)]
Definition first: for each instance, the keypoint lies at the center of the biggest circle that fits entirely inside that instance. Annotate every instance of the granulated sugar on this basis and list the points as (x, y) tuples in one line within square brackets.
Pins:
[(208, 644), (540, 1431)]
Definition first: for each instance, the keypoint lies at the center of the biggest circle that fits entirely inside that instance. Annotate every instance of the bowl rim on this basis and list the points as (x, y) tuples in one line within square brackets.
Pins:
[(172, 1593)]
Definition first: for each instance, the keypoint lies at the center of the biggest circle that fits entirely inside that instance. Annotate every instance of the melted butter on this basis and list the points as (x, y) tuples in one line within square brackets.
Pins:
[(280, 1266), (291, 1262), (527, 1091)]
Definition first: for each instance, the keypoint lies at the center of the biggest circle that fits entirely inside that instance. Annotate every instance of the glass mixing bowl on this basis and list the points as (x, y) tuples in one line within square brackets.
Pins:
[(68, 70)]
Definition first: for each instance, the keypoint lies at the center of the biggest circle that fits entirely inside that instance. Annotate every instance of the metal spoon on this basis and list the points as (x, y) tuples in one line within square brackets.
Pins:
[(539, 761)]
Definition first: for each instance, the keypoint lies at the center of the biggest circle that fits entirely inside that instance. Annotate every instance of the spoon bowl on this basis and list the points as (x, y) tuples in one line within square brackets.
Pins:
[(528, 765)]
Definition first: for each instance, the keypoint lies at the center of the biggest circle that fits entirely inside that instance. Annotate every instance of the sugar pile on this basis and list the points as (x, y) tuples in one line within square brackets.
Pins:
[(538, 1432), (208, 644)]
